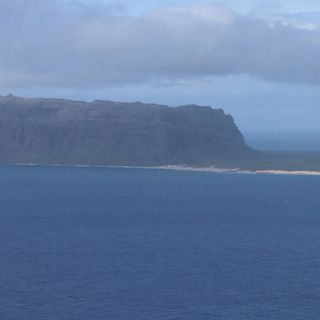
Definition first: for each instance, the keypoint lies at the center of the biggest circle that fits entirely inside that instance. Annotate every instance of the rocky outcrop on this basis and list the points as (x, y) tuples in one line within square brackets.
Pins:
[(47, 131)]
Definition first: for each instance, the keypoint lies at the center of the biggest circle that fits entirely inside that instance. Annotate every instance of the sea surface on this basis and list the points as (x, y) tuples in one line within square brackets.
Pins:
[(124, 244)]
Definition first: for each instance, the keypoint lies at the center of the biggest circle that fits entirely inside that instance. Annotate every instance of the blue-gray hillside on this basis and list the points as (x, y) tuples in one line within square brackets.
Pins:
[(51, 131)]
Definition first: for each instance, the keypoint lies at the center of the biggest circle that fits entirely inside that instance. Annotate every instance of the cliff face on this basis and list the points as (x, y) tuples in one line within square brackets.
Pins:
[(48, 131)]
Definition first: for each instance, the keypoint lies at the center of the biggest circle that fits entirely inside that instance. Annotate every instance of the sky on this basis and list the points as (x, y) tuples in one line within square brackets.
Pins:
[(258, 60)]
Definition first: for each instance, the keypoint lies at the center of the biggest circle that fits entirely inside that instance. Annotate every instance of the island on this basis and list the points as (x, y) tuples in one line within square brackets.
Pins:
[(65, 132)]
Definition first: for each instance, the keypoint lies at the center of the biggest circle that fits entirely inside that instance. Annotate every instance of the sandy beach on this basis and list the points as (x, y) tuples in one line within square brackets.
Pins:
[(211, 169), (239, 171)]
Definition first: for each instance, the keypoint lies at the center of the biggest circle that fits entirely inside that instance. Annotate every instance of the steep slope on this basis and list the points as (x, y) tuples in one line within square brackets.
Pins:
[(47, 131)]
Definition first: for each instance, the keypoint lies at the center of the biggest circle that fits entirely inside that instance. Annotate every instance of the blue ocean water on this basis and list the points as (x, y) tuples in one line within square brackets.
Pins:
[(122, 244)]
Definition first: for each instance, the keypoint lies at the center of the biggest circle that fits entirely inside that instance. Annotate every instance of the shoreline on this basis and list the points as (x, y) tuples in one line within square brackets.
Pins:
[(242, 171), (211, 169)]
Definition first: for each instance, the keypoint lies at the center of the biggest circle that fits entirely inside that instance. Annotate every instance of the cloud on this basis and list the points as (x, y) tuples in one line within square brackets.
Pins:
[(89, 43)]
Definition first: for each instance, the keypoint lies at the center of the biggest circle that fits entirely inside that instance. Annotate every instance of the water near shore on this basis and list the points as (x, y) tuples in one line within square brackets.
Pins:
[(122, 244)]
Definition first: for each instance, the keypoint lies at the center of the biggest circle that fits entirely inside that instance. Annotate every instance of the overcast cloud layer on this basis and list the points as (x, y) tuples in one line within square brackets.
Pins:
[(83, 43)]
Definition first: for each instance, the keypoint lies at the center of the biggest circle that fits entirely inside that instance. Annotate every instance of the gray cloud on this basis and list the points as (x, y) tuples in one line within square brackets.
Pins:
[(79, 43)]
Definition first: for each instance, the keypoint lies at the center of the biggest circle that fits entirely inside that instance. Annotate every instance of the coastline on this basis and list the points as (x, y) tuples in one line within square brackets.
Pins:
[(242, 171), (211, 169)]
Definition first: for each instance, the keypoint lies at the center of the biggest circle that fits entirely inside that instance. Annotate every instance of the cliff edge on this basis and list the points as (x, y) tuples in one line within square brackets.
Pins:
[(58, 131)]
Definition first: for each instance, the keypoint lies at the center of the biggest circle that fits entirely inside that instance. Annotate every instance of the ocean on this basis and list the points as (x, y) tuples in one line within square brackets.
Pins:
[(123, 244)]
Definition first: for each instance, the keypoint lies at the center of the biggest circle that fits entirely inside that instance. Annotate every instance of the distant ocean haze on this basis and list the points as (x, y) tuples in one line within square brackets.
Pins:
[(283, 140)]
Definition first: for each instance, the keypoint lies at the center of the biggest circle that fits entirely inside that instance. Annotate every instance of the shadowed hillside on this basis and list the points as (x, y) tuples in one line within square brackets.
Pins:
[(51, 131)]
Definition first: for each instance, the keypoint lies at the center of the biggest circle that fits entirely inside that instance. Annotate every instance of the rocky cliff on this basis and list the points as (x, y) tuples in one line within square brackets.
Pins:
[(52, 131)]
